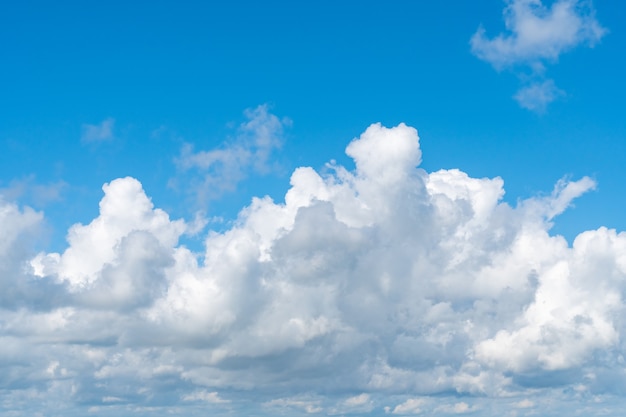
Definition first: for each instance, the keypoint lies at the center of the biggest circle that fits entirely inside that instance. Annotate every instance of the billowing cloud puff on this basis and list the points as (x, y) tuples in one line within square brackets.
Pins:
[(364, 291)]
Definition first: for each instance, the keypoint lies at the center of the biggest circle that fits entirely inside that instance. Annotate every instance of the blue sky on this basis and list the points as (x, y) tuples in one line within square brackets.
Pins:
[(186, 112)]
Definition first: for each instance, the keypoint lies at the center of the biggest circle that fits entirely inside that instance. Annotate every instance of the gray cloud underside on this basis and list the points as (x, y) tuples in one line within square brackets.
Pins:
[(365, 291)]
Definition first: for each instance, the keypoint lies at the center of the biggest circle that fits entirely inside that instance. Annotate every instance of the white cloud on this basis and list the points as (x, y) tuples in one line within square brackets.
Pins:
[(358, 404), (210, 397), (101, 132), (455, 408), (525, 403), (29, 189), (306, 405), (363, 285), (223, 168), (357, 400), (460, 408), (125, 212), (15, 223), (538, 95), (410, 406), (19, 229), (536, 32), (535, 35)]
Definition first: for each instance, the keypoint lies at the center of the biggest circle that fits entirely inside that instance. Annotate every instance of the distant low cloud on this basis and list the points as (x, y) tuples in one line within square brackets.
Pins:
[(525, 403), (537, 35), (458, 408), (101, 132), (210, 397), (385, 288), (308, 406)]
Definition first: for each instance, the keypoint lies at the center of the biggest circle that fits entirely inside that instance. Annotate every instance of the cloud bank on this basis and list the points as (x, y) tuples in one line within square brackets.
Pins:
[(386, 289), (536, 35)]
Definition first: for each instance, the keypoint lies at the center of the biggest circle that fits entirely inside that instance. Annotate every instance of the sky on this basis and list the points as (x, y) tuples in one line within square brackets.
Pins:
[(312, 208)]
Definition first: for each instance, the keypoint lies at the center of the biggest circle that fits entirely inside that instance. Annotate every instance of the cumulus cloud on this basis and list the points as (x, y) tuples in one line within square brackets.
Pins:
[(537, 34), (221, 169), (100, 132), (364, 289), (127, 223)]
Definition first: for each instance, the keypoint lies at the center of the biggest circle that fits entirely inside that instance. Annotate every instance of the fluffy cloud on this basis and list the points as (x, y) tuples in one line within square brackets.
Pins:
[(364, 290), (536, 35)]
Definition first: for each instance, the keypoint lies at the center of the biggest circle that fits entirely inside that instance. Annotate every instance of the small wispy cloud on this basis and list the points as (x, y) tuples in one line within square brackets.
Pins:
[(100, 132), (32, 191), (357, 400), (536, 96), (410, 406), (209, 397), (456, 408), (249, 152), (309, 406), (536, 35), (525, 403)]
